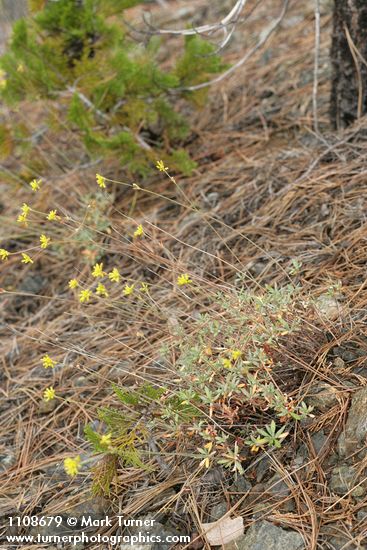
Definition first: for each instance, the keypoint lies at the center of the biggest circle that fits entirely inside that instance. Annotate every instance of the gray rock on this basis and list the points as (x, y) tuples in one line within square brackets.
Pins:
[(356, 426), (278, 487), (264, 535), (262, 469), (323, 397), (343, 479), (240, 485), (318, 441), (218, 511)]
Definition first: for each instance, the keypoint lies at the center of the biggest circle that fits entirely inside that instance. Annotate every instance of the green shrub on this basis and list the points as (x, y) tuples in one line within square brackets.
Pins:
[(102, 84)]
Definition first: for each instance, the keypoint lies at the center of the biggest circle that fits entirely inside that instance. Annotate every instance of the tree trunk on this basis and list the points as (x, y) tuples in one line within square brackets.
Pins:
[(349, 62)]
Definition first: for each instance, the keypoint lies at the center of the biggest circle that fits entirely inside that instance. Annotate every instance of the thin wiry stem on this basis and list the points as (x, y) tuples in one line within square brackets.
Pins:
[(316, 66)]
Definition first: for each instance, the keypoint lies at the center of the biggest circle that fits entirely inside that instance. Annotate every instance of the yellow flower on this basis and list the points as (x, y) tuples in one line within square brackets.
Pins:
[(22, 218), (35, 185), (49, 394), (52, 215), (45, 241), (4, 254), (101, 181), (73, 283), (144, 287), (139, 231), (47, 362), (72, 466), (183, 279), (101, 290), (254, 449), (98, 270), (114, 275), (84, 296), (236, 354), (227, 363), (26, 259), (128, 289), (105, 440), (2, 79), (161, 167), (25, 209)]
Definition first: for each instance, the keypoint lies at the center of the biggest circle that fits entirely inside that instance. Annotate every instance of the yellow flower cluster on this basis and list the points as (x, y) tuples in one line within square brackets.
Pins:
[(26, 259), (85, 296), (184, 279), (105, 440), (98, 270), (128, 289), (73, 283), (72, 466), (45, 241), (23, 217), (101, 181), (4, 254), (49, 394), (139, 231), (161, 167), (114, 275), (101, 290), (47, 362), (52, 215), (35, 185)]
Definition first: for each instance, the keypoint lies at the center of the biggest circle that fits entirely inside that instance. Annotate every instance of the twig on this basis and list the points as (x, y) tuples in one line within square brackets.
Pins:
[(230, 18), (246, 57)]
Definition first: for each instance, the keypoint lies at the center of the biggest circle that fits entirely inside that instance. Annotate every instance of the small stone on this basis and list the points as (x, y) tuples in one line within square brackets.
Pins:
[(240, 485), (81, 381), (262, 469), (342, 479), (328, 307), (46, 407), (318, 440), (278, 487), (323, 397), (339, 363), (264, 535), (218, 511)]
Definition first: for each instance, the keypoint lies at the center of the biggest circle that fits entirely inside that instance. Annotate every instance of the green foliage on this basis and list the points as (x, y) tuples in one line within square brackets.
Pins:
[(116, 95), (228, 381)]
